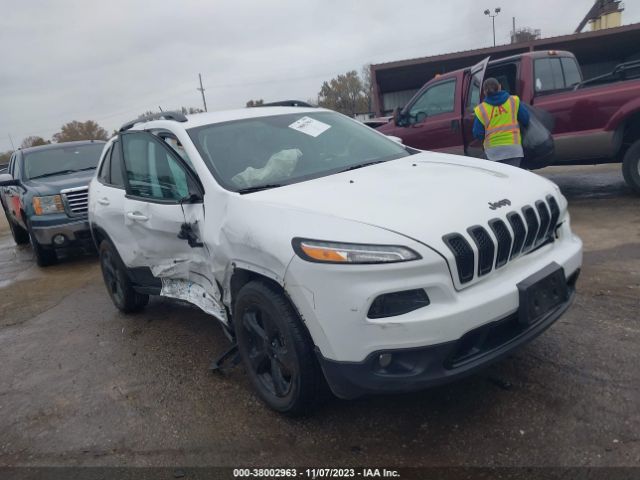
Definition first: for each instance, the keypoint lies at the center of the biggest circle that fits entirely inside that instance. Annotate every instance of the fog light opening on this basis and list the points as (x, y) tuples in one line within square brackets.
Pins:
[(398, 303), (385, 359), (59, 239)]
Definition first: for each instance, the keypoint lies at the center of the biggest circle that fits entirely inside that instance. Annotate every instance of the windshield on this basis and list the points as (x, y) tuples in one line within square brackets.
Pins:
[(52, 161), (245, 155)]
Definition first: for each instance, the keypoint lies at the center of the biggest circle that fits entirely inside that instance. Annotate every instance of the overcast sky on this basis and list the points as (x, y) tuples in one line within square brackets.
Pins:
[(109, 61)]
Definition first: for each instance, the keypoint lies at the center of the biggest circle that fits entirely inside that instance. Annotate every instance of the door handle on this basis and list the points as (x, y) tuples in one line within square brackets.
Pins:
[(103, 201), (137, 216)]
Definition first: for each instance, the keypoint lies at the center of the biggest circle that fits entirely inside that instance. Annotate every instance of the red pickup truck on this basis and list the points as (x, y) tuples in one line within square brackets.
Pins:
[(596, 121)]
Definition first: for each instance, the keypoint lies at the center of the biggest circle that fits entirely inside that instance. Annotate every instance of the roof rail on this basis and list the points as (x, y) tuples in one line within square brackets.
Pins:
[(176, 116), (287, 103)]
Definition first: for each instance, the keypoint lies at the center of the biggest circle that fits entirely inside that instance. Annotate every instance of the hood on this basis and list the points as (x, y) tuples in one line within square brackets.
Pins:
[(424, 196), (498, 98), (52, 185)]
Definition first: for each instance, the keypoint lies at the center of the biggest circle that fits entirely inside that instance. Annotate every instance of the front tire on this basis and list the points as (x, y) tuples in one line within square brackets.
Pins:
[(44, 256), (276, 349), (117, 282), (631, 167), (19, 234)]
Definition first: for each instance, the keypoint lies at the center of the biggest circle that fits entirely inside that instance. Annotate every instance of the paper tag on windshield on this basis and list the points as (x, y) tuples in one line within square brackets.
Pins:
[(310, 126)]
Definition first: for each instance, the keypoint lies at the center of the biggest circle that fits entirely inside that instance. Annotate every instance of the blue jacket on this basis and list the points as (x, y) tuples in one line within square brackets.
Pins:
[(497, 99)]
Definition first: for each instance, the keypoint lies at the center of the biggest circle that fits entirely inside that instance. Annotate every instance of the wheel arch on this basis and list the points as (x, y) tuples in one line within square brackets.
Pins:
[(241, 276), (630, 132)]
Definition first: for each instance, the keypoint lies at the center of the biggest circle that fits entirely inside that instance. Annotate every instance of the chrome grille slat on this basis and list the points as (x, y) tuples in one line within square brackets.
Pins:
[(76, 201), (519, 233)]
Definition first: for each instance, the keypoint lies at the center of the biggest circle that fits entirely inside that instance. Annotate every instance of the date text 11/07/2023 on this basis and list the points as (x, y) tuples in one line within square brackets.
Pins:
[(314, 473)]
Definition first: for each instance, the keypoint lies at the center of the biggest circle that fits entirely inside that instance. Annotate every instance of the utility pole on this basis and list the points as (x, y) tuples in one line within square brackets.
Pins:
[(11, 140), (201, 90), (493, 19)]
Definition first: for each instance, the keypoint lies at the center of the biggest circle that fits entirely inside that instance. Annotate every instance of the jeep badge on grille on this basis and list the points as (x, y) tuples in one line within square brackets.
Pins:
[(500, 203)]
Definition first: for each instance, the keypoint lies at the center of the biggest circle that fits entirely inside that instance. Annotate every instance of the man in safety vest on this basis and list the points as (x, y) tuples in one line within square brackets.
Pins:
[(498, 121)]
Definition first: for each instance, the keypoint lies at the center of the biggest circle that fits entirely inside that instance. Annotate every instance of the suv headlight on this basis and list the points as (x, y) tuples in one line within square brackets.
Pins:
[(335, 252), (48, 204)]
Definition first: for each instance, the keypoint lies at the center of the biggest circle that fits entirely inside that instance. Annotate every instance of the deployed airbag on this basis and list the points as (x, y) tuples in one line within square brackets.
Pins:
[(279, 167)]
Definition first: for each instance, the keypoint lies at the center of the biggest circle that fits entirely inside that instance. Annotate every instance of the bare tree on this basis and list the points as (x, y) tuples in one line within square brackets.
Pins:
[(255, 103), (33, 141), (5, 157)]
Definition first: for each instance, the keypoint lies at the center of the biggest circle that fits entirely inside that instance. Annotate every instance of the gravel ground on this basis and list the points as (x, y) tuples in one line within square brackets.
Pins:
[(82, 384)]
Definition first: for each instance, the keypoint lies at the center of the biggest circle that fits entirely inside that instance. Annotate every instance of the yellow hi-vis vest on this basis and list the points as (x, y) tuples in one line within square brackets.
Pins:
[(500, 123)]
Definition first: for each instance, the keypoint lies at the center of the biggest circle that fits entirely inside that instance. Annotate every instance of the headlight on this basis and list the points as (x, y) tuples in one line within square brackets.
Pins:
[(334, 252), (48, 204)]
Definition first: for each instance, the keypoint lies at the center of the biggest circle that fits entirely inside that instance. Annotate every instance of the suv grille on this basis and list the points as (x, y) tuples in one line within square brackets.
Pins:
[(76, 201), (486, 249), (530, 230), (464, 255)]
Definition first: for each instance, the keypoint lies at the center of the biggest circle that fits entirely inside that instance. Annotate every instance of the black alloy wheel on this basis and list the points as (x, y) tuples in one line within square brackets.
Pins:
[(117, 281), (276, 349), (271, 360)]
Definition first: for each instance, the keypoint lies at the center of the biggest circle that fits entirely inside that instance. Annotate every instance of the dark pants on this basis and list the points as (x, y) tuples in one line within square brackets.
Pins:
[(512, 161)]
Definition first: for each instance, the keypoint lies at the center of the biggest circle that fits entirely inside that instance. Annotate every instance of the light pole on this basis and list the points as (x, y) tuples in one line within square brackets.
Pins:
[(493, 19)]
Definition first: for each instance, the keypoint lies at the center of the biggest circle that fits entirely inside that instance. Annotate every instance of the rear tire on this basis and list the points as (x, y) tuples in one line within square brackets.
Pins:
[(19, 234), (44, 256), (277, 350), (117, 282), (631, 167)]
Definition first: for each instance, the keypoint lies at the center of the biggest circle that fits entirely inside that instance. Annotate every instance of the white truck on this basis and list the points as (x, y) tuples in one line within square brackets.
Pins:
[(330, 253)]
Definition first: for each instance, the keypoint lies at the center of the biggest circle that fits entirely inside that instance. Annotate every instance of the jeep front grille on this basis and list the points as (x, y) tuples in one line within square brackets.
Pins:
[(76, 201), (521, 233), (463, 254)]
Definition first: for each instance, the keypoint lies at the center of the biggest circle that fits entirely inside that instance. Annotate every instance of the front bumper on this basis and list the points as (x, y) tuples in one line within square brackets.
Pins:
[(76, 232), (422, 367)]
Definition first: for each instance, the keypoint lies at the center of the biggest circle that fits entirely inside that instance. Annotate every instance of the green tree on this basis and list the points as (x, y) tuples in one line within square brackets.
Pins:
[(75, 130), (255, 103), (33, 141), (346, 94)]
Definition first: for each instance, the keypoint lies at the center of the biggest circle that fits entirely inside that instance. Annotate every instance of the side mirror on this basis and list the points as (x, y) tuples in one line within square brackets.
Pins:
[(6, 180), (397, 116), (395, 139)]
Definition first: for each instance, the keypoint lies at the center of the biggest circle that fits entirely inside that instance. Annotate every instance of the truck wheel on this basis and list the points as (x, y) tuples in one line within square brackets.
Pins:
[(44, 256), (119, 286), (19, 234), (276, 350), (631, 167)]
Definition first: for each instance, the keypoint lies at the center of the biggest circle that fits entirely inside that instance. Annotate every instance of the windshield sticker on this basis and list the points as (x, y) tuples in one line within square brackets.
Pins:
[(310, 126)]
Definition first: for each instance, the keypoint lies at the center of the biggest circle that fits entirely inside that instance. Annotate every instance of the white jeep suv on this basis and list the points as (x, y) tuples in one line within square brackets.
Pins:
[(330, 253)]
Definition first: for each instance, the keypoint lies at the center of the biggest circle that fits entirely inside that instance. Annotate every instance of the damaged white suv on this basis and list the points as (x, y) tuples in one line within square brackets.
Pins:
[(330, 253)]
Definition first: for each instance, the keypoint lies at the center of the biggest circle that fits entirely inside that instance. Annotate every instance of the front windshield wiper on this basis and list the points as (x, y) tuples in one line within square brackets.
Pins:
[(51, 174), (61, 172), (258, 188), (360, 165)]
